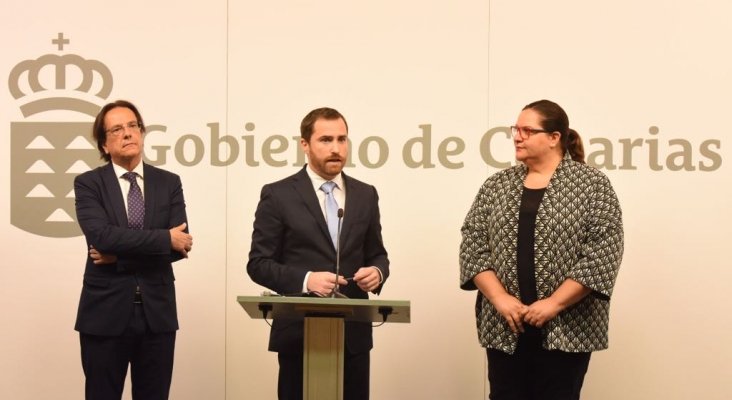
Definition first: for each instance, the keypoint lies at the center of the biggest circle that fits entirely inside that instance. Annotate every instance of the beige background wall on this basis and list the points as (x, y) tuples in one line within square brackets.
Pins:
[(646, 84)]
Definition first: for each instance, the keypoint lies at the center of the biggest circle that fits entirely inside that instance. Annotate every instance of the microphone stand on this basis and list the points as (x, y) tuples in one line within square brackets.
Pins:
[(336, 290)]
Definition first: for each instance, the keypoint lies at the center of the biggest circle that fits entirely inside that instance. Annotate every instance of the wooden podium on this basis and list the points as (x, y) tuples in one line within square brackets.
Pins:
[(323, 343)]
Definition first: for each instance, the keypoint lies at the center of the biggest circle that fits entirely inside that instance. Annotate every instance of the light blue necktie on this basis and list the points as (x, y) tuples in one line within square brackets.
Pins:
[(331, 210)]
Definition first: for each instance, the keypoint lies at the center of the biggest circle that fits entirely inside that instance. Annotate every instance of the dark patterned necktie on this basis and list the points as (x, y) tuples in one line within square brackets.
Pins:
[(331, 210), (135, 203)]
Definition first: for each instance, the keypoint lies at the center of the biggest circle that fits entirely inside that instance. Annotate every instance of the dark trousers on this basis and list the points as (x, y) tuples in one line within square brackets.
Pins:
[(355, 376), (534, 373), (150, 355)]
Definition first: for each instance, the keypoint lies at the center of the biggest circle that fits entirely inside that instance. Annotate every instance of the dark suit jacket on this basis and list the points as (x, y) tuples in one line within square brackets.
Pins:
[(144, 257), (291, 238)]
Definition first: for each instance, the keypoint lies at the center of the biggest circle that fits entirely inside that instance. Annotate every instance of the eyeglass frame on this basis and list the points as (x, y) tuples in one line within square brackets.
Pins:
[(525, 132), (118, 130)]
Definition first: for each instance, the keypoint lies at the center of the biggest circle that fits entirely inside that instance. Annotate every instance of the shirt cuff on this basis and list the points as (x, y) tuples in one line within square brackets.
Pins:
[(305, 282), (381, 274)]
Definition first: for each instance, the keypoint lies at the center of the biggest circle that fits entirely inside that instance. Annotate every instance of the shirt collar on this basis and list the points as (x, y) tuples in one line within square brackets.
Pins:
[(119, 171)]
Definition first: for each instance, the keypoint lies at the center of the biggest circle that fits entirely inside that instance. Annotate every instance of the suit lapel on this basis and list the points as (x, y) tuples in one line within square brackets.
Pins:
[(304, 187), (354, 201), (150, 178), (114, 192)]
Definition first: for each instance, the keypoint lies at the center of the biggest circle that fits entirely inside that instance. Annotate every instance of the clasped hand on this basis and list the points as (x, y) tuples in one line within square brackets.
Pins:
[(516, 313), (324, 283), (181, 241), (367, 279)]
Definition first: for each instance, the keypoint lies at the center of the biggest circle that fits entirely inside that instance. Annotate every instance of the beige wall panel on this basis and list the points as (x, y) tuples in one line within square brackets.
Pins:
[(651, 73), (389, 67), (171, 62), (224, 85)]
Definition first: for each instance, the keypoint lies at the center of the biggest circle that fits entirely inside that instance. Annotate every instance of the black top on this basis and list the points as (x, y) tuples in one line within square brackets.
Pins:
[(530, 201)]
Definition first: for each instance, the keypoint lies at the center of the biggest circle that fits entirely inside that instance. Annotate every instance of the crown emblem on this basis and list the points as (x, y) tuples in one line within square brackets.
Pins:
[(46, 155), (61, 66)]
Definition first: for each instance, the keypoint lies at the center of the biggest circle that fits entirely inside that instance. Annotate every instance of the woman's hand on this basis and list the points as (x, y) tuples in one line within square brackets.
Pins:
[(512, 310), (541, 311)]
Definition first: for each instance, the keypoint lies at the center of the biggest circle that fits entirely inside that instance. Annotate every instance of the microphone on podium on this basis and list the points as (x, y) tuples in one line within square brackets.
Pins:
[(336, 290)]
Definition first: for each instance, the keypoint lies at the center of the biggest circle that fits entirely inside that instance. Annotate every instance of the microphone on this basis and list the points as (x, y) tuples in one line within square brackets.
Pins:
[(336, 291)]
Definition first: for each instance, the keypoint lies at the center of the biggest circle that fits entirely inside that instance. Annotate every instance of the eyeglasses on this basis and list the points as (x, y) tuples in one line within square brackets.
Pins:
[(525, 131), (117, 130)]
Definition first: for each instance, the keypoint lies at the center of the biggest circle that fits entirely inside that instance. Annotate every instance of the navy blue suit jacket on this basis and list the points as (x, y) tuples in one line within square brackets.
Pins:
[(291, 238), (144, 257)]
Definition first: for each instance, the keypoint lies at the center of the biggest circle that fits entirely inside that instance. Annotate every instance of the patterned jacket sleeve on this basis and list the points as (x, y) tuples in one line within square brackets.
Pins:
[(602, 251), (474, 248)]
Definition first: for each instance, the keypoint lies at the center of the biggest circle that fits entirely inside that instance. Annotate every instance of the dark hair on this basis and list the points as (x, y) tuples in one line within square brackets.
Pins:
[(556, 120), (307, 124), (99, 131)]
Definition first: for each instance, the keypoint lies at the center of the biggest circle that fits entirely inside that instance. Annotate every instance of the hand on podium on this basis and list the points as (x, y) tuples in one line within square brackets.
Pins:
[(367, 278), (324, 283)]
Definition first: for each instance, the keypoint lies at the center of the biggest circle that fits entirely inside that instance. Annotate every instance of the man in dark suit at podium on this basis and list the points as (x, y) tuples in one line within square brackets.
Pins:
[(295, 241), (134, 220)]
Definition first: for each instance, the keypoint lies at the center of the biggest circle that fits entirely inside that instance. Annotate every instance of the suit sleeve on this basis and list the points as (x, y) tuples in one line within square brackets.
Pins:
[(374, 250), (264, 266), (475, 250), (602, 251), (177, 214)]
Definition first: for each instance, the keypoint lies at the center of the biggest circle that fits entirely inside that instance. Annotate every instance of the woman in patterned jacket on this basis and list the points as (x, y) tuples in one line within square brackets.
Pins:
[(542, 243)]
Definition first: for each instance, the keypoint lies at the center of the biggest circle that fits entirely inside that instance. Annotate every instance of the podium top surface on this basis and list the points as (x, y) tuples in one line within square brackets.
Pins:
[(363, 310)]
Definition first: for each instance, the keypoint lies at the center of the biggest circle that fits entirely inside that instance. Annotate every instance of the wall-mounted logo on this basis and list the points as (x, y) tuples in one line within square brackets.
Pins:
[(46, 155)]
